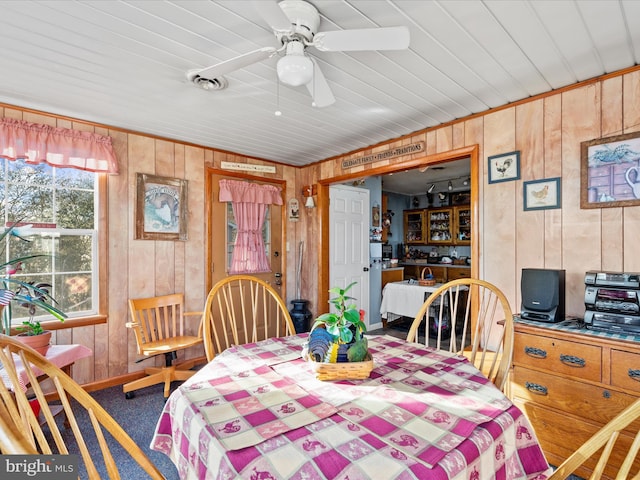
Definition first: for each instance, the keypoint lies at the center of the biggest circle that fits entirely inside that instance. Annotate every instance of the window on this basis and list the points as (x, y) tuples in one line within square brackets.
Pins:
[(232, 234), (61, 206)]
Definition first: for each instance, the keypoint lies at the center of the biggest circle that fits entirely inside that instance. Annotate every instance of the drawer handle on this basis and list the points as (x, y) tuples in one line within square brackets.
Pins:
[(536, 388), (634, 374), (535, 352), (573, 361)]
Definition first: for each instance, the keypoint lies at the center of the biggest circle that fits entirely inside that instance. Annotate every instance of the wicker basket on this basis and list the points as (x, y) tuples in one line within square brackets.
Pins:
[(427, 280), (343, 370)]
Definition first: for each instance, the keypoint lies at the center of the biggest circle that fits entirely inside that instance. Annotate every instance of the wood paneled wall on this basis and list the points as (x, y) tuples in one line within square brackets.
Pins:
[(141, 268), (547, 130)]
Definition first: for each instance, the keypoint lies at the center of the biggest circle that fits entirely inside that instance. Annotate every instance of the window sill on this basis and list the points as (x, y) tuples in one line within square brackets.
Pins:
[(74, 322)]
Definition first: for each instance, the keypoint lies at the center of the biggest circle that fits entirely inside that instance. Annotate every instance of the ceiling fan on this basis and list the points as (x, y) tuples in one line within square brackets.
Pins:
[(295, 24)]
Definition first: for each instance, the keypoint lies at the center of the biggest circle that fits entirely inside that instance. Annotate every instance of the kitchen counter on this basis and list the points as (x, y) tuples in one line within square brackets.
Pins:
[(407, 263), (443, 272)]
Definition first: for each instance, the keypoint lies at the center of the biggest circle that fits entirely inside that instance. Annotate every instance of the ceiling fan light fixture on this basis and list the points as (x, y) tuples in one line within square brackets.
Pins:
[(295, 68), (450, 186)]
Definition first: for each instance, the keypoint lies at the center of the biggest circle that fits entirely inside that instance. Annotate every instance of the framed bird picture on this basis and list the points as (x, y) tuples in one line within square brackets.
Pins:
[(504, 167), (542, 194), (161, 208), (610, 171)]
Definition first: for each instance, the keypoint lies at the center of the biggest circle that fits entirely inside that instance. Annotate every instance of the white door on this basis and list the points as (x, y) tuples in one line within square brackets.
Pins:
[(349, 242)]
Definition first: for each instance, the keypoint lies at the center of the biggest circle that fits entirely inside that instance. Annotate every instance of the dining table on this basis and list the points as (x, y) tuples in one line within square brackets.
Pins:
[(259, 412), (404, 299)]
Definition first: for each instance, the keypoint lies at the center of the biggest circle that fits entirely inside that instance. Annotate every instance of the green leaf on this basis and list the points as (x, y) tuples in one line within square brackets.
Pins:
[(352, 316), (328, 318), (334, 330), (346, 335)]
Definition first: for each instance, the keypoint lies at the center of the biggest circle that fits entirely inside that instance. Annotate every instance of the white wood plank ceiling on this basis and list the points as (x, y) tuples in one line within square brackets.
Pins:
[(123, 63)]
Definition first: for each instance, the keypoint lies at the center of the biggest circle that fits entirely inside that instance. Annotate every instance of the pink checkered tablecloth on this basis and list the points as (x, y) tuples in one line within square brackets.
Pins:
[(258, 412)]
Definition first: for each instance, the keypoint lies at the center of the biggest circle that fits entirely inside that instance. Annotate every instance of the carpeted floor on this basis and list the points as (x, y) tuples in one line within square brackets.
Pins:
[(138, 416)]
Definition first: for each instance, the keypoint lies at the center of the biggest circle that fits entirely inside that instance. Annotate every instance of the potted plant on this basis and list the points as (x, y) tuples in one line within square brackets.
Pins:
[(339, 336), (30, 295)]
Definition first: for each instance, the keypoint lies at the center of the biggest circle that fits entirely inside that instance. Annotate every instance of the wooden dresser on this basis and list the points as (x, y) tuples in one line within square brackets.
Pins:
[(570, 381)]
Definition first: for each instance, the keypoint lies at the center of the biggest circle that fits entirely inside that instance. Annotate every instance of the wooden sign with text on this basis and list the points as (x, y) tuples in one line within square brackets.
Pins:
[(376, 157)]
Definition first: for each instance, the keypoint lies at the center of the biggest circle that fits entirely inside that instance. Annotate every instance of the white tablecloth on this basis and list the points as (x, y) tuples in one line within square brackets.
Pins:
[(403, 298)]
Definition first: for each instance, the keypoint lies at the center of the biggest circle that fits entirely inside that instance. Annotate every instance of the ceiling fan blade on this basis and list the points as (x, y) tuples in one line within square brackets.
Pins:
[(272, 14), (319, 88), (385, 38), (236, 63)]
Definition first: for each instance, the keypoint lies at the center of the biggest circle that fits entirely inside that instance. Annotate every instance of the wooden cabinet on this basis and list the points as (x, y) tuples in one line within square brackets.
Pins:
[(449, 226), (392, 275), (462, 225), (442, 273), (440, 226), (454, 273), (414, 227), (569, 382)]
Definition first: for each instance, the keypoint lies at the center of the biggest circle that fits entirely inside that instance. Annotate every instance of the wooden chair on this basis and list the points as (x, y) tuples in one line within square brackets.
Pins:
[(22, 432), (607, 437), (243, 309), (481, 325), (159, 327)]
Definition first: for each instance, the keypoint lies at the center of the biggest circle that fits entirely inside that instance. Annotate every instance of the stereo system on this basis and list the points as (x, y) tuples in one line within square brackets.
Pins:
[(542, 293), (612, 302)]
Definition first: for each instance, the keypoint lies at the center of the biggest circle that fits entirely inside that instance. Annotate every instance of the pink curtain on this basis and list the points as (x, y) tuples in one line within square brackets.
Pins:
[(58, 147), (249, 202)]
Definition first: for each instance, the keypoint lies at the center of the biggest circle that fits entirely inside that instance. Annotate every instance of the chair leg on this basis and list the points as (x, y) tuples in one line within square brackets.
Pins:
[(156, 375)]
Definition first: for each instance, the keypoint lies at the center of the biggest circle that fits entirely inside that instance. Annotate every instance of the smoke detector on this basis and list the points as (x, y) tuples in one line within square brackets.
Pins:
[(218, 83)]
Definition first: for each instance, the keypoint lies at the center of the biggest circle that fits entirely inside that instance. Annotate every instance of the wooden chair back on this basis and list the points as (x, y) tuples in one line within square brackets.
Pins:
[(159, 324), (614, 438), (243, 309), (480, 320), (160, 327), (22, 432)]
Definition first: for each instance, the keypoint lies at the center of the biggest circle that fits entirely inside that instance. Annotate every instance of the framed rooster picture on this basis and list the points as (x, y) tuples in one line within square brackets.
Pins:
[(542, 194), (504, 167)]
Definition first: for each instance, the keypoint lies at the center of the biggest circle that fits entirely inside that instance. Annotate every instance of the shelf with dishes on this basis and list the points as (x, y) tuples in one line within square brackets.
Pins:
[(438, 226)]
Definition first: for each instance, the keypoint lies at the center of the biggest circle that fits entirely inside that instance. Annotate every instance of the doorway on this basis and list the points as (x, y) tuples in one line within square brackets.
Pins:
[(219, 230), (427, 162), (349, 244)]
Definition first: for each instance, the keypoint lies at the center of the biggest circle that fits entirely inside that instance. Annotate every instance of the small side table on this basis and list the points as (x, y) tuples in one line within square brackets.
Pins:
[(63, 356)]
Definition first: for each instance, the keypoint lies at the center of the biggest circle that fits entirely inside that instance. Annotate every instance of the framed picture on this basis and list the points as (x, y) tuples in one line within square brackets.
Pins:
[(161, 208), (375, 215), (504, 167), (294, 210), (461, 198), (610, 171), (542, 194)]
